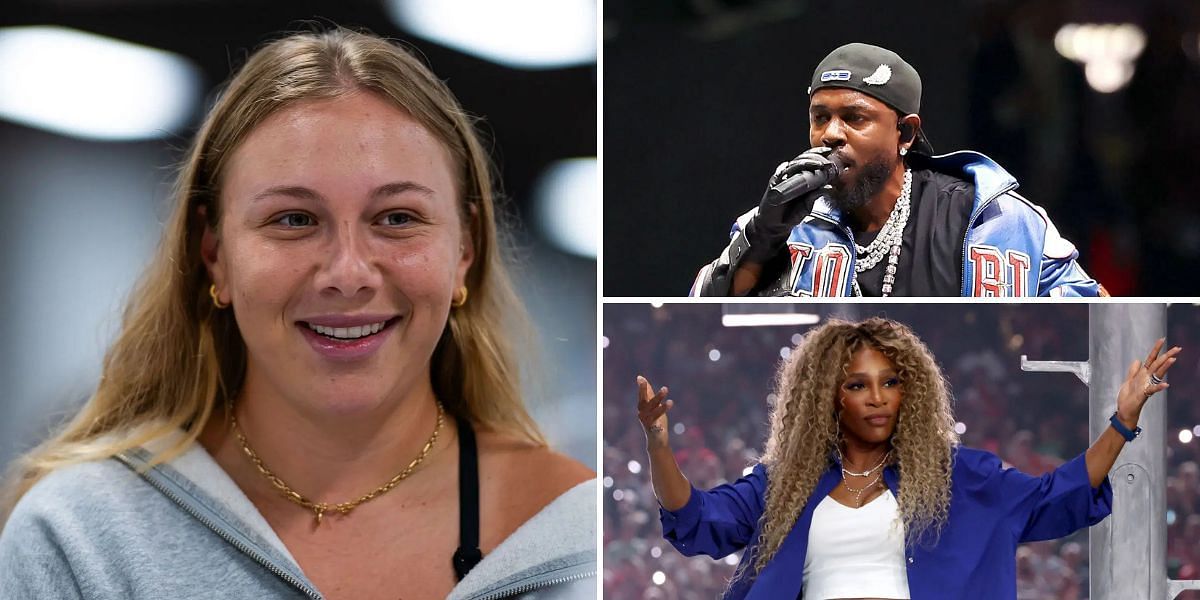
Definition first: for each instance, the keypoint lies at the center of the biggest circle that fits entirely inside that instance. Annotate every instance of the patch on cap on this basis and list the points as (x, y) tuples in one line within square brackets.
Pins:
[(839, 75), (882, 75)]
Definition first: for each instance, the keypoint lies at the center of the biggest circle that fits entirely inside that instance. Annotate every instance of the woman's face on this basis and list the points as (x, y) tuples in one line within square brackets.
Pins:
[(340, 248), (869, 397)]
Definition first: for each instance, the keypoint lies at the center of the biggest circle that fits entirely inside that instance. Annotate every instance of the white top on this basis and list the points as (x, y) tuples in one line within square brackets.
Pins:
[(856, 552)]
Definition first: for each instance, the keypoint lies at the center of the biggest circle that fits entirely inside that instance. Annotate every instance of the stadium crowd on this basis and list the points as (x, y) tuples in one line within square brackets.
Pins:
[(721, 379)]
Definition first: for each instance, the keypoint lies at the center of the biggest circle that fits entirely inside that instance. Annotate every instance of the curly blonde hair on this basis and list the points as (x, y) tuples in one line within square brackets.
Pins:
[(804, 429)]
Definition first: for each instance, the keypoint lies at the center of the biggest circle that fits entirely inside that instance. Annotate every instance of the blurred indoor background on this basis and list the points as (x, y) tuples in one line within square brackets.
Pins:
[(98, 98), (720, 377), (1094, 106)]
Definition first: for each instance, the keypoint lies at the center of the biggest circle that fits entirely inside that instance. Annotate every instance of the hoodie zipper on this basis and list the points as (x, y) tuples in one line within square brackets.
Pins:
[(252, 553), (525, 588)]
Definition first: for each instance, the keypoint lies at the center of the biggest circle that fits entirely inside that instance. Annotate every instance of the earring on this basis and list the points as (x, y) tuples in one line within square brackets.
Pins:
[(216, 300), (903, 151), (837, 422), (460, 297)]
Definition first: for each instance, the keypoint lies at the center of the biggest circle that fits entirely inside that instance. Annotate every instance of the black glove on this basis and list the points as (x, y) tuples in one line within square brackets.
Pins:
[(779, 211)]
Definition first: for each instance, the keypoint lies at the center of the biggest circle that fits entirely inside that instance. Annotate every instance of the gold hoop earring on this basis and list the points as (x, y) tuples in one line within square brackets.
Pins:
[(460, 297), (216, 300)]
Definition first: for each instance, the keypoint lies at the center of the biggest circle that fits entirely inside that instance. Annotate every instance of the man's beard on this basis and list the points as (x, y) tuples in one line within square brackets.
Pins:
[(857, 194)]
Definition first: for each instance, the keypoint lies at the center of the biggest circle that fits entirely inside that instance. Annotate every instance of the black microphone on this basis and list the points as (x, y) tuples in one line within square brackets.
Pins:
[(803, 182)]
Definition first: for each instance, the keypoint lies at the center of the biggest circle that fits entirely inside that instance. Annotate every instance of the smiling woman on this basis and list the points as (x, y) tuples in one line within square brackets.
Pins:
[(318, 368)]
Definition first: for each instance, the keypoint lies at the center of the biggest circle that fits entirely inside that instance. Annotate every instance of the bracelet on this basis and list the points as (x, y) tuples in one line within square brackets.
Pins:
[(1122, 429)]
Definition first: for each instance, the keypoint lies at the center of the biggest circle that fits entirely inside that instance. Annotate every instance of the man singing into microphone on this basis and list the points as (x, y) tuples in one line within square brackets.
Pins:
[(894, 220)]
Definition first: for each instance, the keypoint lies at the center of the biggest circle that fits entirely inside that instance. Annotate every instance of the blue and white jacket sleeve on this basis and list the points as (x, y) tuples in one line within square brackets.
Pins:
[(1061, 274), (715, 278), (720, 521)]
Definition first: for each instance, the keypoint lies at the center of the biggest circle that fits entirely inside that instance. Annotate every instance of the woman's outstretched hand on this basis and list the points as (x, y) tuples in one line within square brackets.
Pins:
[(1144, 379), (652, 412), (671, 487)]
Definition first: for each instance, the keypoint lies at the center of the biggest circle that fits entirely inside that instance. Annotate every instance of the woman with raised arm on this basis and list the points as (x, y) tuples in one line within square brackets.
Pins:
[(863, 491), (316, 389)]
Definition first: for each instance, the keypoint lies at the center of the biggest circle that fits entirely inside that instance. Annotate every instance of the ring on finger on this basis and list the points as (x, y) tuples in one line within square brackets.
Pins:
[(1156, 380)]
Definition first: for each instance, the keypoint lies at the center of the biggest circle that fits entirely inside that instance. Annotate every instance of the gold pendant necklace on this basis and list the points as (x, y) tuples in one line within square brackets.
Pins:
[(859, 492), (343, 508)]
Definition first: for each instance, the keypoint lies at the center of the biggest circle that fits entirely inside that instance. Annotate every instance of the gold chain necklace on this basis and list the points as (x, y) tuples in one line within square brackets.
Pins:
[(320, 508), (859, 492)]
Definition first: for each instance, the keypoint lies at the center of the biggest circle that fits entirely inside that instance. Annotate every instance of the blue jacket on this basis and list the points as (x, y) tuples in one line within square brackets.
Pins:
[(992, 509), (1011, 248)]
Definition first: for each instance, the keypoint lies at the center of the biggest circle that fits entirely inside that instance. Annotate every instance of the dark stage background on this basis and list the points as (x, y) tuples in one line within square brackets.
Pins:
[(703, 99)]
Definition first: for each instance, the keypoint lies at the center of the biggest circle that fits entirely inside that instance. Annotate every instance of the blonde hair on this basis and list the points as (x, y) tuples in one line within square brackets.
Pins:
[(177, 357), (804, 429)]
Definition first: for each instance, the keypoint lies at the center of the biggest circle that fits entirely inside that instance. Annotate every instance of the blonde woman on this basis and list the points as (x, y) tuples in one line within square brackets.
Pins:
[(314, 392), (863, 491)]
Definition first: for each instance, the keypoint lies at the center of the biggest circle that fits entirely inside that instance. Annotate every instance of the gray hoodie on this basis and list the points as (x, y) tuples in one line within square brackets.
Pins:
[(184, 530)]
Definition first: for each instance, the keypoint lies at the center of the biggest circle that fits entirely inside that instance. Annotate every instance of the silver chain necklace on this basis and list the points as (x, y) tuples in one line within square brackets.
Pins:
[(847, 473), (887, 242)]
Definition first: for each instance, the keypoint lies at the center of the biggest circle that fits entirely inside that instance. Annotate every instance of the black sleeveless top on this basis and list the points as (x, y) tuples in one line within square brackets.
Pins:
[(468, 554)]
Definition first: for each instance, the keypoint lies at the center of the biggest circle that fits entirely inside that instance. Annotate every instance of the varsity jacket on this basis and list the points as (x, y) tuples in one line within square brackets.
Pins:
[(113, 530), (1011, 248)]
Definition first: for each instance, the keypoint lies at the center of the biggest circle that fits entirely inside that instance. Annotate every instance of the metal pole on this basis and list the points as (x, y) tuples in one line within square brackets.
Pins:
[(1128, 549)]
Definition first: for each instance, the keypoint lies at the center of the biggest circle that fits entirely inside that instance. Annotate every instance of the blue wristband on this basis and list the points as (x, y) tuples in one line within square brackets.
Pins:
[(1122, 429)]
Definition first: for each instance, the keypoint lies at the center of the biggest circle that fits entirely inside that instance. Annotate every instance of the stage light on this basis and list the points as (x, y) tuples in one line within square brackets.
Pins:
[(618, 495), (658, 578), (655, 552), (1185, 436), (656, 305), (796, 339), (678, 428), (523, 34), (1196, 431), (1107, 76), (1107, 51), (93, 87), (634, 467), (768, 319), (608, 481), (604, 341), (567, 205), (960, 428), (714, 355), (785, 352)]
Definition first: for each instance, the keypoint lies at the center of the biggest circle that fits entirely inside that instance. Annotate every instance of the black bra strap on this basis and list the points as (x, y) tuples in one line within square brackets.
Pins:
[(468, 554)]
